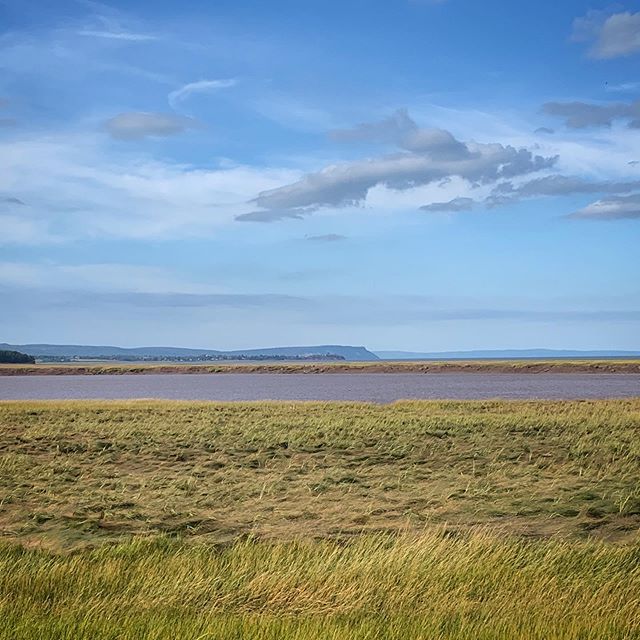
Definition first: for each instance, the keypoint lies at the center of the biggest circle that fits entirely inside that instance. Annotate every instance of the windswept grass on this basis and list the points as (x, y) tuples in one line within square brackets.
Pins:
[(73, 473), (305, 521), (408, 587)]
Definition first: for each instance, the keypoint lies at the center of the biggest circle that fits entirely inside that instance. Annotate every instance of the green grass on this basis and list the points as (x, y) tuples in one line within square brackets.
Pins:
[(428, 586), (471, 520)]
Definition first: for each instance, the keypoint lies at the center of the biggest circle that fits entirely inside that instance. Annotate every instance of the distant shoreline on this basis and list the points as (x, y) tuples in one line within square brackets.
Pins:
[(427, 367)]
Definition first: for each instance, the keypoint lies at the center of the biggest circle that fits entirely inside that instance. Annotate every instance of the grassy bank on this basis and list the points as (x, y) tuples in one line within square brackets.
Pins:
[(382, 366), (350, 521), (430, 586)]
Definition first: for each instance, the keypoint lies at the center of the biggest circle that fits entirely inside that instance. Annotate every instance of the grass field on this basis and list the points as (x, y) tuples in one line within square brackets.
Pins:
[(381, 366), (340, 520), (428, 586)]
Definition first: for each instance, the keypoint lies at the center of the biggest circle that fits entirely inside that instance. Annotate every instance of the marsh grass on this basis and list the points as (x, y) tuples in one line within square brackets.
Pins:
[(77, 473), (430, 585), (305, 521), (425, 586)]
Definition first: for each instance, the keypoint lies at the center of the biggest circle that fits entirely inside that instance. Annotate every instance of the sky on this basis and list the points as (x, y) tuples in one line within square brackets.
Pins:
[(401, 174)]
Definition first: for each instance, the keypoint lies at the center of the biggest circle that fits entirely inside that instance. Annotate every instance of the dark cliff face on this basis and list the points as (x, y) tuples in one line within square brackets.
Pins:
[(90, 351)]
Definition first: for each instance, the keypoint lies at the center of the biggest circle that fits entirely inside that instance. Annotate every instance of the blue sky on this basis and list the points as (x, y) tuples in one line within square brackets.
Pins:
[(416, 174)]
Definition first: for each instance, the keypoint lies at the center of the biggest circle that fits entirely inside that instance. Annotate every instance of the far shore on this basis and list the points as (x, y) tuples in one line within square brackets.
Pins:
[(384, 366)]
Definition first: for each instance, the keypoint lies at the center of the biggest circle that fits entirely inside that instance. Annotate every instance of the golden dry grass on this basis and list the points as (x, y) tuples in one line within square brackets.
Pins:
[(76, 472), (305, 521), (430, 586)]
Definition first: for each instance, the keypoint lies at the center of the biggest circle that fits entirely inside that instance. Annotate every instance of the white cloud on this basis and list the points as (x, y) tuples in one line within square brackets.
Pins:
[(75, 188), (118, 35), (613, 36), (623, 87), (611, 208), (201, 86), (430, 155)]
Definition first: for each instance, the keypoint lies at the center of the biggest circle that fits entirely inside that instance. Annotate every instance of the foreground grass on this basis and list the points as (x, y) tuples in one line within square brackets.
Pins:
[(382, 366), (305, 521), (76, 473), (430, 586)]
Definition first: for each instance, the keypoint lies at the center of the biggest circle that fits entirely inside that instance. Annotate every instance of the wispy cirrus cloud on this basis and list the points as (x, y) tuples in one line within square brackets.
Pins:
[(73, 187), (117, 35), (106, 22), (623, 87), (201, 86)]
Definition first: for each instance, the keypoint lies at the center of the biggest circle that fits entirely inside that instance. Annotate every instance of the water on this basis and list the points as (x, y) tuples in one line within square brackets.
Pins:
[(372, 387)]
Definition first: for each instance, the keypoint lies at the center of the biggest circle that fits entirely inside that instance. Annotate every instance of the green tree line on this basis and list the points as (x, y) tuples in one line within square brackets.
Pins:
[(15, 357)]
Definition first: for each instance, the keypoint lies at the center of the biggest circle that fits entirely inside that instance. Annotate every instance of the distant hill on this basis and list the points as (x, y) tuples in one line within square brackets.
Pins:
[(51, 351), (503, 354)]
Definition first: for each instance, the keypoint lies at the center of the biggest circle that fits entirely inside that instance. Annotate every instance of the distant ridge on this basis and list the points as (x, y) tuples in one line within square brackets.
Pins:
[(503, 354), (96, 351)]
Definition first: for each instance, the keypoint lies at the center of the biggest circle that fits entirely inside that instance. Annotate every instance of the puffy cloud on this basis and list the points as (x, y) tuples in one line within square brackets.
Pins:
[(137, 125), (457, 204), (401, 130), (389, 130), (613, 36), (578, 115), (201, 86), (611, 208), (429, 155), (348, 184)]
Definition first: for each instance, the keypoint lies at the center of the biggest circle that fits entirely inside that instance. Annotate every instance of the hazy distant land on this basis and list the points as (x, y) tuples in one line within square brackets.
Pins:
[(308, 354)]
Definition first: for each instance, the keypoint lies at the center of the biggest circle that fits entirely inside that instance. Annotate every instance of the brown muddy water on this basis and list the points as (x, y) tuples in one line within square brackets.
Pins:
[(376, 387)]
